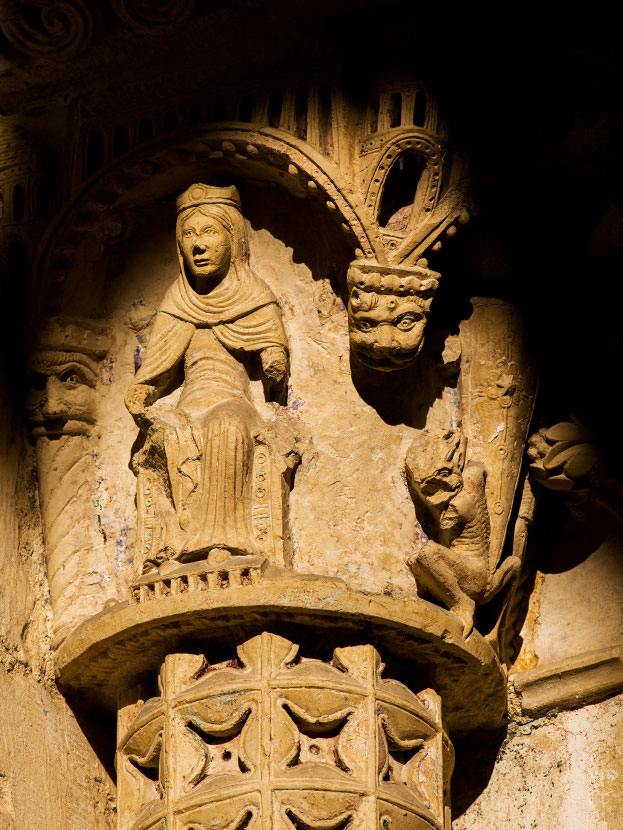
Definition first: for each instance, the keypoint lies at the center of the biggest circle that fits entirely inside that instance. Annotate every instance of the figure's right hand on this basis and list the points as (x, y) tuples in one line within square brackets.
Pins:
[(139, 397)]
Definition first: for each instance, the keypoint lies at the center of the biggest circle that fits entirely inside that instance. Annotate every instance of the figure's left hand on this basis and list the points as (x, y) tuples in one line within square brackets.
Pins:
[(275, 369)]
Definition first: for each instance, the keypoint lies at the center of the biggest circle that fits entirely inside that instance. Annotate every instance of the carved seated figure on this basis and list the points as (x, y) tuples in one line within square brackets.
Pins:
[(457, 566), (214, 322)]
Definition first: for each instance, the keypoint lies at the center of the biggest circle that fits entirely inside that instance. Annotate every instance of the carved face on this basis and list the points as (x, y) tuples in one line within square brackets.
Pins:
[(61, 397), (205, 246), (386, 330), (434, 466)]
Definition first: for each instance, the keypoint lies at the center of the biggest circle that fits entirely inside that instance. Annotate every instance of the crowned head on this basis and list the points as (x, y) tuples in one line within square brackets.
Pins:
[(387, 312), (211, 235)]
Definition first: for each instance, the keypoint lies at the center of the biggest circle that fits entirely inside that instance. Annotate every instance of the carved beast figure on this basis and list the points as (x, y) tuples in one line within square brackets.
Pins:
[(457, 566), (387, 312)]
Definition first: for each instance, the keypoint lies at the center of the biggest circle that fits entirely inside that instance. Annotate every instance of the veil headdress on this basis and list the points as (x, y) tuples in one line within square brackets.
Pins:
[(240, 292), (241, 310)]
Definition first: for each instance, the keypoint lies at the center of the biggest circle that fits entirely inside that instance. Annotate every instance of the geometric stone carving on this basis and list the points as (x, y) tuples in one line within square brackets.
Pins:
[(64, 370), (209, 484), (387, 311), (280, 741)]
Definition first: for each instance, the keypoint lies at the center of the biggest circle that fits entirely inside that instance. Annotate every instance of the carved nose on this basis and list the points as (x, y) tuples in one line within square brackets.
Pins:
[(53, 404), (199, 247), (385, 341)]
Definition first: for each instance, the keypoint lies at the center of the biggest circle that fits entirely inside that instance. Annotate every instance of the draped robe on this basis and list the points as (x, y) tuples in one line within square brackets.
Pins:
[(209, 444)]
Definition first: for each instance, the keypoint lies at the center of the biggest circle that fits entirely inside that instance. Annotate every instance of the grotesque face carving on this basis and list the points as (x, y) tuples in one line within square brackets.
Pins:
[(63, 373), (435, 465), (205, 245), (61, 397), (387, 311)]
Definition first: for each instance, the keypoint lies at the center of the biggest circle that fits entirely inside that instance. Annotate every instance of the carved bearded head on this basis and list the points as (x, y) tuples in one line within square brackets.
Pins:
[(63, 372), (387, 311)]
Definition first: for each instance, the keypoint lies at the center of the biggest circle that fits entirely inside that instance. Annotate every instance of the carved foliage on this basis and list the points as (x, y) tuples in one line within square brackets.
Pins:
[(565, 457), (280, 742)]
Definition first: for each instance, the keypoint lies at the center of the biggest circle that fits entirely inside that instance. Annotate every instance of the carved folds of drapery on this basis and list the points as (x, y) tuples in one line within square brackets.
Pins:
[(209, 487), (272, 741)]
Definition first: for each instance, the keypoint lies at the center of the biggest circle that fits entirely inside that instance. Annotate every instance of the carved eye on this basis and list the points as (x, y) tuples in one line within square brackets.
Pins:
[(407, 321), (366, 325), (72, 379), (188, 232)]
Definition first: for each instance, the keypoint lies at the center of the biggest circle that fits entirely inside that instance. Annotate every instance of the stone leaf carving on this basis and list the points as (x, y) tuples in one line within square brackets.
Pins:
[(61, 408), (272, 740), (205, 466), (564, 457), (387, 312)]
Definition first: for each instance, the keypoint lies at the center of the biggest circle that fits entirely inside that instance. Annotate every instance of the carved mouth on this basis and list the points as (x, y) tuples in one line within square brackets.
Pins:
[(385, 364), (59, 426), (52, 427)]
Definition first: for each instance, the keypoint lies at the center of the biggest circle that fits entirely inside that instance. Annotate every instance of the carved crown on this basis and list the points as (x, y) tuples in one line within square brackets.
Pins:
[(67, 334), (203, 194), (400, 281)]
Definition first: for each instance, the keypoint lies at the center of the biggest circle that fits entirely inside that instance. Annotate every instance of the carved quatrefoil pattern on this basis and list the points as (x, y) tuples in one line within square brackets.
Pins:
[(272, 741)]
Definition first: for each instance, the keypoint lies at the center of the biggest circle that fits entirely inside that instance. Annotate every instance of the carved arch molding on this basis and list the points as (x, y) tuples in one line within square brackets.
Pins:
[(247, 152)]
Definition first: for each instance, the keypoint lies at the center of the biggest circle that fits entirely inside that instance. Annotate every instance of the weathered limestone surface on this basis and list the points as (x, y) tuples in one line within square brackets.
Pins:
[(336, 465), (48, 770), (563, 770), (49, 773), (271, 537)]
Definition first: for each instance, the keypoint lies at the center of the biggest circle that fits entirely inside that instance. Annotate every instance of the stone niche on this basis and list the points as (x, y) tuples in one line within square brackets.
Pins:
[(303, 510)]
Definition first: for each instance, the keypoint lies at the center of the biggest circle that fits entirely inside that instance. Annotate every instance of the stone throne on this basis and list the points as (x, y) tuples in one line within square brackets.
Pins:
[(269, 516)]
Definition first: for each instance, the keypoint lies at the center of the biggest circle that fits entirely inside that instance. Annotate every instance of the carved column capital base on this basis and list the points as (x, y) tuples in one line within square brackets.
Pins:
[(111, 652)]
